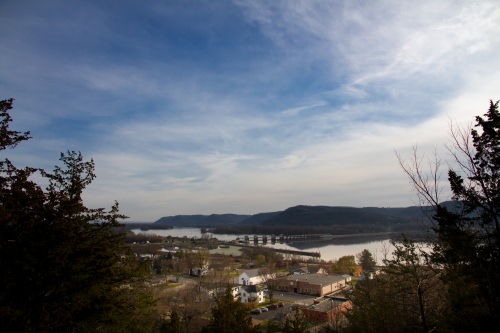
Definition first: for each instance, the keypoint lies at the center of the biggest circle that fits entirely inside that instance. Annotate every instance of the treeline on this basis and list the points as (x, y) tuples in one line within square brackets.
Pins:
[(454, 286), (132, 237), (145, 226), (65, 267)]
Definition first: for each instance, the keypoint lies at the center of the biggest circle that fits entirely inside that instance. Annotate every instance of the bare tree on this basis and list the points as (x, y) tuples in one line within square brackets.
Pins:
[(468, 233), (425, 180), (190, 302), (268, 274)]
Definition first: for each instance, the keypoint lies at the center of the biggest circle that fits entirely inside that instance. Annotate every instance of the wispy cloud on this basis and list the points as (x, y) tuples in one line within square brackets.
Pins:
[(245, 106)]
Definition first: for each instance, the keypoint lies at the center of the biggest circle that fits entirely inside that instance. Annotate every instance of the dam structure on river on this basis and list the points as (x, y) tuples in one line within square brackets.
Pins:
[(264, 239), (256, 240)]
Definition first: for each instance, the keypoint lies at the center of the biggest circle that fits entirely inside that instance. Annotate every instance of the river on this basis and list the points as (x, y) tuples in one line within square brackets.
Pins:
[(329, 250)]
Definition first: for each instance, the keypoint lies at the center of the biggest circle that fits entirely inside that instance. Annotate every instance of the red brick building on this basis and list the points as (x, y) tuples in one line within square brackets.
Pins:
[(328, 310)]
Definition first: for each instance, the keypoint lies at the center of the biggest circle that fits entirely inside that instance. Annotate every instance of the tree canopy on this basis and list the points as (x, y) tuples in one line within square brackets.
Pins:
[(469, 235), (345, 265), (454, 286), (365, 259), (65, 266), (229, 316)]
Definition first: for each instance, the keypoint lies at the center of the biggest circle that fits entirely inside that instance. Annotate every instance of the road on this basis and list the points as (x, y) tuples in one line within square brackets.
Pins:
[(294, 298)]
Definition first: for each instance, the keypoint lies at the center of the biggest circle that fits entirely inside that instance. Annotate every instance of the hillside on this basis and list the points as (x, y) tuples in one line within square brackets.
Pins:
[(325, 216), (201, 220), (299, 216)]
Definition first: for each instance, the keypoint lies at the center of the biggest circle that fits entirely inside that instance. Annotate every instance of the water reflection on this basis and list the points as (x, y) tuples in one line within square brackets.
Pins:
[(329, 249)]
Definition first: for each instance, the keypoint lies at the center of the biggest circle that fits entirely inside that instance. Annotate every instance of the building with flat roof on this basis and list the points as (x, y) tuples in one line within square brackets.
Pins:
[(327, 310), (310, 284)]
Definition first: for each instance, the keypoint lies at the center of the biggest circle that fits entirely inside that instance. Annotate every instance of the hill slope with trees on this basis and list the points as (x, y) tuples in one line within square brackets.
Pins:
[(305, 215), (311, 219)]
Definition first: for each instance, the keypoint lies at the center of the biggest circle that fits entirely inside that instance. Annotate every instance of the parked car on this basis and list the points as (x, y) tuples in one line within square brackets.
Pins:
[(272, 306), (263, 309), (255, 311)]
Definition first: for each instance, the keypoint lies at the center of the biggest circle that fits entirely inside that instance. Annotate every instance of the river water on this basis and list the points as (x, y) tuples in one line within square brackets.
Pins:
[(327, 250)]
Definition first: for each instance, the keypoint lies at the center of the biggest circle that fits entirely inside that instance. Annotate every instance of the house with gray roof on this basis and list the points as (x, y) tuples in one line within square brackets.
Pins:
[(310, 284), (251, 277), (251, 293)]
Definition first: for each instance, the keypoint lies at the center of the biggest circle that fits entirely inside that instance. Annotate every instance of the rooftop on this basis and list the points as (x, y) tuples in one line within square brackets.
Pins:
[(252, 272), (327, 305), (316, 278)]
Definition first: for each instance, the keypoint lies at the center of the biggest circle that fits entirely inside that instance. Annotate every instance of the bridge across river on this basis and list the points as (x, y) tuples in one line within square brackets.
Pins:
[(264, 239)]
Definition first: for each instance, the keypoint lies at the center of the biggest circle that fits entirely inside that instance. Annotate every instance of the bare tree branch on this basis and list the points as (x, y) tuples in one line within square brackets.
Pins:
[(425, 183)]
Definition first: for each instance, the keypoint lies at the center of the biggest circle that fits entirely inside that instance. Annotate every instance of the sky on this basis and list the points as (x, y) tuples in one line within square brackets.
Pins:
[(201, 107)]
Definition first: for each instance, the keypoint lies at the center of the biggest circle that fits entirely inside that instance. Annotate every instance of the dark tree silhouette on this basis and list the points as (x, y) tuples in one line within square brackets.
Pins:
[(468, 231), (365, 259), (229, 316), (64, 266)]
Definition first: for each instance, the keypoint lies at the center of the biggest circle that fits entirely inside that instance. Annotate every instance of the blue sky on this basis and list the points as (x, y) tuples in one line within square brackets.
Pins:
[(245, 106)]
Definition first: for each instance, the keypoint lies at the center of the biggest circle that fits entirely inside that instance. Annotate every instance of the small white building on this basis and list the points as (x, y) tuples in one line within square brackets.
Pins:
[(251, 293), (243, 294), (250, 277)]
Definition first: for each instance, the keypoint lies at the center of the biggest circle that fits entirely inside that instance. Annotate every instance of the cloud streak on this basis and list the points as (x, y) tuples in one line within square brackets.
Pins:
[(245, 106)]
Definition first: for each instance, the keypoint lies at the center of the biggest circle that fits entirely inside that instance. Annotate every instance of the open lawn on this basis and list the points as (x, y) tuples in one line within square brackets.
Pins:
[(234, 251)]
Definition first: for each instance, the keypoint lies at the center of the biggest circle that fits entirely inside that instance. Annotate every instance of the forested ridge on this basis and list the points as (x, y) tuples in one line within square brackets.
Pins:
[(305, 215)]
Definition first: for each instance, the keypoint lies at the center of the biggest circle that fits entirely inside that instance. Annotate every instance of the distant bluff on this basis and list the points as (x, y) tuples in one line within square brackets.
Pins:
[(303, 215)]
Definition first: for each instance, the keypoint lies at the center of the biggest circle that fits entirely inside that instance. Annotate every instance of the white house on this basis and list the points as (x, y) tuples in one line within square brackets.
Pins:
[(251, 293), (250, 277)]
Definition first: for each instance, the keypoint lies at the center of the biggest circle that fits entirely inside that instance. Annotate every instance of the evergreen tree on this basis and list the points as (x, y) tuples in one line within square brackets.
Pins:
[(469, 234), (229, 316), (365, 259), (406, 297), (65, 267), (373, 307), (418, 292), (467, 247)]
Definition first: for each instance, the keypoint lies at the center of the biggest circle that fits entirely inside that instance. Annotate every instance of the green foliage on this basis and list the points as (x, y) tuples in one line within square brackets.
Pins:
[(372, 308), (345, 265), (469, 236), (261, 259), (456, 287), (229, 316), (419, 295), (406, 297), (365, 259), (64, 266)]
